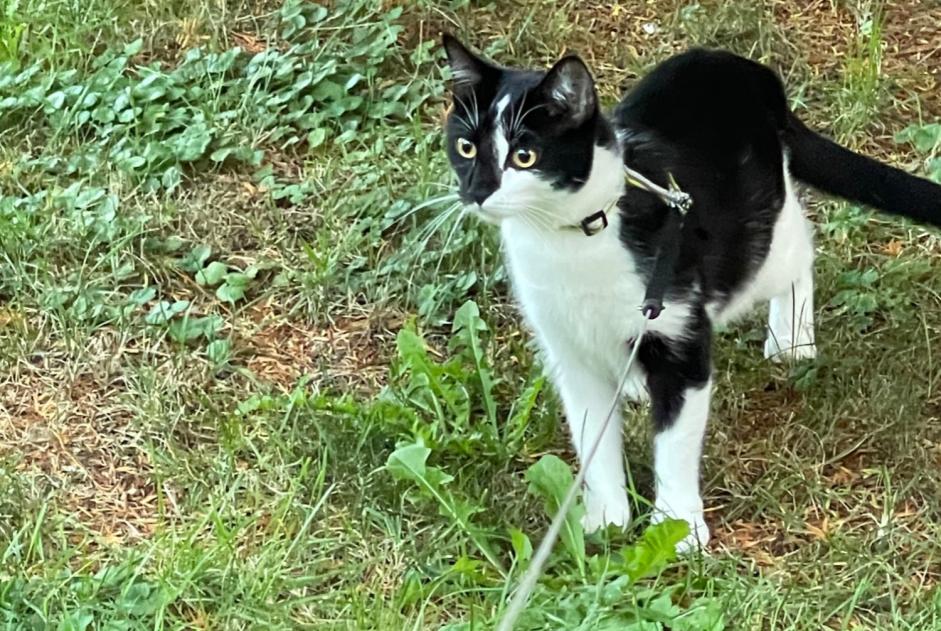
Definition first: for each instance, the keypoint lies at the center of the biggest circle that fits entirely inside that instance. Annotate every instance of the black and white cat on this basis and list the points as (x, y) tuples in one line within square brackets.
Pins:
[(536, 156)]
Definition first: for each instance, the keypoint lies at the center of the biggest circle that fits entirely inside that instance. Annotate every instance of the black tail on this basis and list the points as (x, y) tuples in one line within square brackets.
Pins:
[(833, 169)]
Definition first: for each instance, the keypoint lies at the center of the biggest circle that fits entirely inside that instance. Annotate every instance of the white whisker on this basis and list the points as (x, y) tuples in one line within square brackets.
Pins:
[(530, 111), (516, 115), (447, 241), (423, 240), (467, 110), (451, 197), (476, 111)]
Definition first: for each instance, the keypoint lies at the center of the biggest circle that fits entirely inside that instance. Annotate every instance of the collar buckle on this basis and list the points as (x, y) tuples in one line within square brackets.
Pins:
[(594, 223)]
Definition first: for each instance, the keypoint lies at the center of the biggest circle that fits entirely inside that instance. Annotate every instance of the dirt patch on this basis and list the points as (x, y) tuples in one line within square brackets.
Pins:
[(351, 351), (71, 435)]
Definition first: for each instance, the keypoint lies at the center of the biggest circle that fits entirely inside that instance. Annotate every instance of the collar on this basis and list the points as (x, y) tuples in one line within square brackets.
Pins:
[(593, 223), (673, 197)]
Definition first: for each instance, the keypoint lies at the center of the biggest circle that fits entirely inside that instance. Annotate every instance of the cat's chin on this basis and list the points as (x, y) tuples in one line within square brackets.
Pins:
[(489, 216)]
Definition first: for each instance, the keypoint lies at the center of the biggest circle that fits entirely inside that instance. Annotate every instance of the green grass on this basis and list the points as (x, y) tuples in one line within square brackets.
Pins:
[(251, 378)]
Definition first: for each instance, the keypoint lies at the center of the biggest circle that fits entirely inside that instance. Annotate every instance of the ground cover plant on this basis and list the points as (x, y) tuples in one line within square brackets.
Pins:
[(256, 372)]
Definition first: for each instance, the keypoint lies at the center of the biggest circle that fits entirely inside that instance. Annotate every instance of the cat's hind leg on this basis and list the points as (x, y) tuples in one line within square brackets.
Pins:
[(791, 322), (791, 264)]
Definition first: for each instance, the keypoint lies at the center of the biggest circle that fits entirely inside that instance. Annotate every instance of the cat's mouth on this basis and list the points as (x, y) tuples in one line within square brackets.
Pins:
[(488, 214)]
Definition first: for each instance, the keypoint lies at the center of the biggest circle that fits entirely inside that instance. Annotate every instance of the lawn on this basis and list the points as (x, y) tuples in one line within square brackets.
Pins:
[(258, 372)]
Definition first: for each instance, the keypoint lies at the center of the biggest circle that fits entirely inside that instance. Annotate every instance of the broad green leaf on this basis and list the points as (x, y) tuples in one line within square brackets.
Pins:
[(196, 259), (76, 621), (925, 138), (704, 615), (522, 546), (142, 296), (190, 328), (408, 463), (240, 279), (164, 311), (522, 410), (550, 479), (56, 100), (316, 137), (191, 144), (465, 335), (655, 549), (134, 47), (230, 293), (212, 274), (219, 351)]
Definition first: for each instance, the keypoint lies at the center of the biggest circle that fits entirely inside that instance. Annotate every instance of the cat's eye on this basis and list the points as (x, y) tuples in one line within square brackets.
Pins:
[(465, 148), (524, 158)]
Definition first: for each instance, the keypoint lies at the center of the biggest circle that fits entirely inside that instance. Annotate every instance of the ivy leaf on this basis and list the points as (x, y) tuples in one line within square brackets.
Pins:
[(164, 311), (76, 621), (212, 274), (230, 293), (191, 144), (187, 329), (316, 137), (56, 100)]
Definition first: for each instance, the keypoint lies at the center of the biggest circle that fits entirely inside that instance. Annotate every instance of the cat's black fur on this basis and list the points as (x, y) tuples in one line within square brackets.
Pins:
[(720, 124)]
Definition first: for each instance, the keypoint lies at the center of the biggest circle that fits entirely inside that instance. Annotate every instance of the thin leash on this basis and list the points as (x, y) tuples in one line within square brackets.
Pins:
[(651, 309)]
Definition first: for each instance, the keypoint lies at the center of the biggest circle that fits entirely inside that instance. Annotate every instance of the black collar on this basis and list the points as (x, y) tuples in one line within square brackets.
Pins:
[(672, 197), (594, 223)]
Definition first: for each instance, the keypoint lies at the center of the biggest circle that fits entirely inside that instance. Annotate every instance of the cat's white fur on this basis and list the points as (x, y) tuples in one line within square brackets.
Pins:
[(581, 297)]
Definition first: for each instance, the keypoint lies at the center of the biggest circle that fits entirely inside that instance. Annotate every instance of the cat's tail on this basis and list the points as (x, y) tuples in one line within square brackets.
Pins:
[(833, 169)]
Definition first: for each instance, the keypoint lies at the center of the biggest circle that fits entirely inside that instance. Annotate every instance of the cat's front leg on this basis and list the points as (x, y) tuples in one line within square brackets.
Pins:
[(680, 385), (588, 398)]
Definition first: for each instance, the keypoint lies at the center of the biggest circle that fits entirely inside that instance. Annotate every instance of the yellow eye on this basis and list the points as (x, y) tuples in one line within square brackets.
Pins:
[(524, 158), (465, 148)]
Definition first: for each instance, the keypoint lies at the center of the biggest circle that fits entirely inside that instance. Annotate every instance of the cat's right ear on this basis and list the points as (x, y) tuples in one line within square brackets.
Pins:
[(467, 68)]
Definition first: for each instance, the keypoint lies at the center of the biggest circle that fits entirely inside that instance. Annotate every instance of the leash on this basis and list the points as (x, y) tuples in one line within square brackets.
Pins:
[(651, 308)]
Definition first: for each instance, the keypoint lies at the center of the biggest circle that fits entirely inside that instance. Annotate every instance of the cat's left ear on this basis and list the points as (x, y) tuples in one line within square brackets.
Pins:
[(467, 68), (570, 90)]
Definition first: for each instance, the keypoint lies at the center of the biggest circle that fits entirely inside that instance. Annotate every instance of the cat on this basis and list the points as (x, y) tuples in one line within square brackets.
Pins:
[(535, 155)]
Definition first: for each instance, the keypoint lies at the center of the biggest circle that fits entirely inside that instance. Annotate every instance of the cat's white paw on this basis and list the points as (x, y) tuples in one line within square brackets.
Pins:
[(601, 513), (699, 533), (781, 350)]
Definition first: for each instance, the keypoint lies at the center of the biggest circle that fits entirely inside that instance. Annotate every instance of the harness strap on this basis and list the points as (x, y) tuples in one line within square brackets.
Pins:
[(668, 248)]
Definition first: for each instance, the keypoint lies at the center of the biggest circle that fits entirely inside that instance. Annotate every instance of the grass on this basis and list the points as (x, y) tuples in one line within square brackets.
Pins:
[(251, 378)]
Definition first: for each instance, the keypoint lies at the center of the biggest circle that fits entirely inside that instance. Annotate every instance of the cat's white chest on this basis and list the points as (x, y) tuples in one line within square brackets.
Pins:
[(581, 295)]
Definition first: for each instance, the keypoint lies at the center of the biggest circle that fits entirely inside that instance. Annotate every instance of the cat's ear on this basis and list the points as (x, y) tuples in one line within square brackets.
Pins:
[(467, 68), (569, 90)]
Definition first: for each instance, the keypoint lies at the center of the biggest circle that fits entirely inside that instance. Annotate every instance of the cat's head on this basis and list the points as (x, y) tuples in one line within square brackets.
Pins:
[(524, 143)]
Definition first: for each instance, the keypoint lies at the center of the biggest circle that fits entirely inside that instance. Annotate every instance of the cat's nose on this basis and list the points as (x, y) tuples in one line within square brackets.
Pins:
[(480, 197)]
